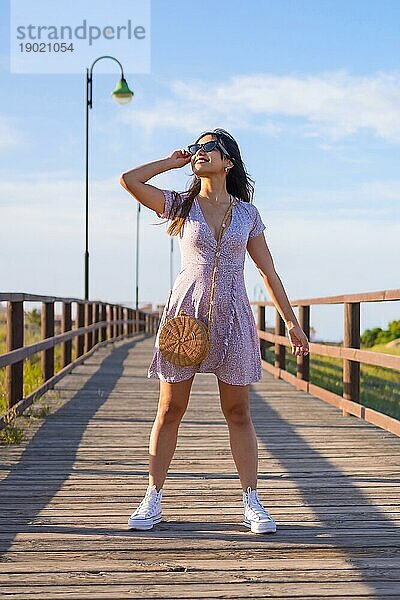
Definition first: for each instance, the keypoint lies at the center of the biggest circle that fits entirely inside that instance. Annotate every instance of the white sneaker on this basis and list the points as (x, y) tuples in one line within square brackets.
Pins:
[(149, 511), (255, 515)]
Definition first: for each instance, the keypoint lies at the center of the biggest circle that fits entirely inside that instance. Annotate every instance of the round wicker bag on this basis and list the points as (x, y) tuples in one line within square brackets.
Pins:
[(185, 340)]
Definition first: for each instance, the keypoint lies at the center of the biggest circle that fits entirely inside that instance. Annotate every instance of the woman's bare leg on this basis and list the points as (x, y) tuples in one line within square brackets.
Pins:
[(172, 405), (235, 406)]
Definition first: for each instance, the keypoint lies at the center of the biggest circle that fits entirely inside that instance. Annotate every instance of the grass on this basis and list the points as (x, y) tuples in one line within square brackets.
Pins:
[(32, 367), (21, 427), (11, 433), (379, 387)]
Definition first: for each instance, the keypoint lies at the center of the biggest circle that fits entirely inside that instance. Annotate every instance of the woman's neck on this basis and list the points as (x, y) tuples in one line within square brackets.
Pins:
[(213, 193)]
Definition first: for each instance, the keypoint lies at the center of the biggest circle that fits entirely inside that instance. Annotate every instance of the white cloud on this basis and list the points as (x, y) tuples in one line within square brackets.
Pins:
[(52, 204), (373, 199), (331, 105), (189, 117), (10, 135), (42, 217)]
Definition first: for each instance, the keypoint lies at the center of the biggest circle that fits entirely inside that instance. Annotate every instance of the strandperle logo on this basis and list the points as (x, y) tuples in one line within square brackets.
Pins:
[(64, 37), (92, 33)]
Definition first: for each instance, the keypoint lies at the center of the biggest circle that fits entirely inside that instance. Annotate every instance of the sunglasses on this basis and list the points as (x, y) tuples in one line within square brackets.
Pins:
[(207, 147)]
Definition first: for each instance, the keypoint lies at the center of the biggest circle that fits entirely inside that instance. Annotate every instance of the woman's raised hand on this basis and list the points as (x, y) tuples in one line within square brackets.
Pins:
[(179, 158)]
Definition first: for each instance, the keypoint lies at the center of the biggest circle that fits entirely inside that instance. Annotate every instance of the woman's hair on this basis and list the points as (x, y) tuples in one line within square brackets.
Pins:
[(238, 182)]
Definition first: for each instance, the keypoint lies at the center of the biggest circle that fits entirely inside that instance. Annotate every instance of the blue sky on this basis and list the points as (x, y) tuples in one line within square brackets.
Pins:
[(311, 92)]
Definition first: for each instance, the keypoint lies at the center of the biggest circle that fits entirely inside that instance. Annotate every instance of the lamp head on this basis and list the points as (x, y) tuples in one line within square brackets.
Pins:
[(122, 94)]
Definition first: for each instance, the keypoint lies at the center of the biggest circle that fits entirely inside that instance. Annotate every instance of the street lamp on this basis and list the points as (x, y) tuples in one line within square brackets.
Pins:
[(122, 95)]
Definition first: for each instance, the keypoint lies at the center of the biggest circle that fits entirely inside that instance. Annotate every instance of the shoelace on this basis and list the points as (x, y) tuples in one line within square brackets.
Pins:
[(146, 504), (256, 508)]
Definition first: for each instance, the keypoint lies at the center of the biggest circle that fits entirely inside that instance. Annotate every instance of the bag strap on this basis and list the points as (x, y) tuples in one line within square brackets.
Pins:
[(217, 253), (214, 275)]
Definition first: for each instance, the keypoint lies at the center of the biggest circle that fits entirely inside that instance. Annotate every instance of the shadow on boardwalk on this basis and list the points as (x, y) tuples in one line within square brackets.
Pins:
[(87, 404)]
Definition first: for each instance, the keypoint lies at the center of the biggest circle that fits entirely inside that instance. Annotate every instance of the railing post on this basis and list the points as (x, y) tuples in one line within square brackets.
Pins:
[(96, 309), (125, 316), (66, 324), (303, 362), (147, 325), (115, 312), (261, 326), (129, 324), (280, 357), (47, 327), (112, 317), (137, 317), (93, 321), (351, 339), (110, 329), (80, 322), (120, 326), (115, 317), (15, 339), (103, 317), (88, 321)]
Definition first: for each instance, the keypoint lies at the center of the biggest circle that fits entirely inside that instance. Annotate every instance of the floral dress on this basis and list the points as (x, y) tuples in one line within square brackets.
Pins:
[(234, 355)]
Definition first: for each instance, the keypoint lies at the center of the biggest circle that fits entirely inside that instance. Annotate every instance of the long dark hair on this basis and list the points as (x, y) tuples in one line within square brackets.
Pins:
[(238, 182)]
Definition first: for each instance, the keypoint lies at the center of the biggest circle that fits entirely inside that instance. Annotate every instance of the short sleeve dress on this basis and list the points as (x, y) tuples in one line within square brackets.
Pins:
[(234, 355)]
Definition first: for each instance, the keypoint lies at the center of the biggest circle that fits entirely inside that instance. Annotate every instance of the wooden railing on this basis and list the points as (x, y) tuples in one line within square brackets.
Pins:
[(96, 323), (350, 353)]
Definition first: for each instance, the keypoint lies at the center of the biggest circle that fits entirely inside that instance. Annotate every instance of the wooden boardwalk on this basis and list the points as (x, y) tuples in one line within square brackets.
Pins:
[(330, 482)]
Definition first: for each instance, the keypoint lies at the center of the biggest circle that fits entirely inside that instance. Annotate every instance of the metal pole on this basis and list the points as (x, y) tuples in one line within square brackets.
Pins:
[(137, 254), (89, 79), (88, 85)]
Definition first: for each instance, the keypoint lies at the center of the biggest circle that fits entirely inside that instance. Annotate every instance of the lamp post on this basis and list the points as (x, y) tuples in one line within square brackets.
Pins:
[(137, 257), (122, 95)]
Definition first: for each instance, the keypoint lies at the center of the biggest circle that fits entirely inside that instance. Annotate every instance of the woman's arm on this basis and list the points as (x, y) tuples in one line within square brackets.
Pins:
[(149, 195), (259, 252)]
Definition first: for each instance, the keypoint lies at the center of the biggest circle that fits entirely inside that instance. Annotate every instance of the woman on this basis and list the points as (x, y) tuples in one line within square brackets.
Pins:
[(196, 215)]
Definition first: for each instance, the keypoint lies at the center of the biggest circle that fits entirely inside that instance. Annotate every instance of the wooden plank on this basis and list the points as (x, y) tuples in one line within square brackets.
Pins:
[(140, 575), (253, 588), (57, 563)]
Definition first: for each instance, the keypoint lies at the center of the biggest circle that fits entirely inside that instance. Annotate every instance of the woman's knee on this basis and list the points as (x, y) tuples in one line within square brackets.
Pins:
[(237, 414), (170, 412), (174, 399), (235, 403)]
